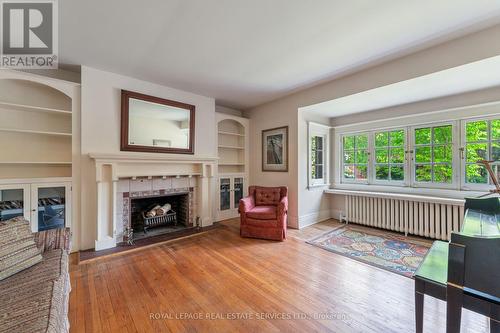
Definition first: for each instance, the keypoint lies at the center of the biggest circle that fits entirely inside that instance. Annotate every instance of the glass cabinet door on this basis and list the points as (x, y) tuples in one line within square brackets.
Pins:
[(49, 206), (12, 203), (238, 191), (225, 193)]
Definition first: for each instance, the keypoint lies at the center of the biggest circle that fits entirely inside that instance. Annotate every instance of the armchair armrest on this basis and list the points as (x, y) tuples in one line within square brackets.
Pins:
[(246, 204), (282, 211), (283, 205)]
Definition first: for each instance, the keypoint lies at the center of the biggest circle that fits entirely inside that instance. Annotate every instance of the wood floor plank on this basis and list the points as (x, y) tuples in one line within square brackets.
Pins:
[(220, 282)]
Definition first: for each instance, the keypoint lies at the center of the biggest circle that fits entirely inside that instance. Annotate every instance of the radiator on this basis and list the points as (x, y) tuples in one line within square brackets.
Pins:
[(416, 217)]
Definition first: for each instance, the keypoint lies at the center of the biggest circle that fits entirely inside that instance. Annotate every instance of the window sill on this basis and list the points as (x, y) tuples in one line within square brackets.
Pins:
[(441, 195), (316, 186)]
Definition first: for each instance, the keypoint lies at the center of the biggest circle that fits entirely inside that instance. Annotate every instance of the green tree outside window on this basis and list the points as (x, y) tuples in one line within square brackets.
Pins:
[(389, 155), (356, 156), (482, 142), (434, 154)]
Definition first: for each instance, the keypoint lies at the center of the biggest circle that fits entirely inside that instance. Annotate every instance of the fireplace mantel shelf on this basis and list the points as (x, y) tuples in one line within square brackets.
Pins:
[(128, 157)]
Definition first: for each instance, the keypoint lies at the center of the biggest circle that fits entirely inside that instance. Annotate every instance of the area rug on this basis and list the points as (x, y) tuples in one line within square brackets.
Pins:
[(386, 250)]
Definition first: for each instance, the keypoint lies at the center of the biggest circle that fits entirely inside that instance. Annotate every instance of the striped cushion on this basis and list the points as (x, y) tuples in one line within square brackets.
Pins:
[(18, 250), (36, 299)]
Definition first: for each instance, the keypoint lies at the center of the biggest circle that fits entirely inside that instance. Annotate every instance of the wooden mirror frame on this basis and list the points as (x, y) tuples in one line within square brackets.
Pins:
[(125, 146)]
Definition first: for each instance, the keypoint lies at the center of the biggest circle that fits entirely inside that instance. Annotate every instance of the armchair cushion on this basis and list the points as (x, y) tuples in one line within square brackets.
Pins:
[(262, 213), (265, 196)]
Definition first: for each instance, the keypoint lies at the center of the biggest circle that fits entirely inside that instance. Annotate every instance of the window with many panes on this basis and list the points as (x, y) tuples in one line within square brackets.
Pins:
[(424, 156), (318, 154), (482, 142), (390, 155), (433, 147), (317, 157), (355, 159)]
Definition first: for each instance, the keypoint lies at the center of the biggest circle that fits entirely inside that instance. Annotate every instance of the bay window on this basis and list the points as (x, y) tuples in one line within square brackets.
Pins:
[(443, 154)]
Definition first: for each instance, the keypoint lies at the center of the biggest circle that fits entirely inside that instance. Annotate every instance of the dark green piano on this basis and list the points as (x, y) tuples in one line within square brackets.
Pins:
[(466, 271)]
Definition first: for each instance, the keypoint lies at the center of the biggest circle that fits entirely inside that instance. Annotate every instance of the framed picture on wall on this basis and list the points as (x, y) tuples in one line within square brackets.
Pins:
[(275, 149)]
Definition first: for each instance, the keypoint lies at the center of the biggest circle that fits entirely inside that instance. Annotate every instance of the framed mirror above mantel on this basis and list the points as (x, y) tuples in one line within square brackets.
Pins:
[(156, 125)]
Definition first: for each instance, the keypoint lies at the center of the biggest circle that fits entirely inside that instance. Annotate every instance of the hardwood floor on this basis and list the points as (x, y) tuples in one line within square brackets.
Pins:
[(258, 284)]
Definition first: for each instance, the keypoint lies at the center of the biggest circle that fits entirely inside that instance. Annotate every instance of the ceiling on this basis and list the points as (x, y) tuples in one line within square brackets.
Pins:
[(470, 77), (245, 53)]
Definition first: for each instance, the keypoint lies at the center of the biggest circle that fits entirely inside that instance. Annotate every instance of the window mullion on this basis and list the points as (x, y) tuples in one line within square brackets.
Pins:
[(371, 154)]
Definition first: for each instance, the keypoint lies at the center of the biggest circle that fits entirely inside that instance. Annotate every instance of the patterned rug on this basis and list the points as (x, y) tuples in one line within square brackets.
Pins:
[(382, 249)]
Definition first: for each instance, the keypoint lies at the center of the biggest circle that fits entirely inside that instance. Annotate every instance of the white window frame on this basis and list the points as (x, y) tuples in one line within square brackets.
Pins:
[(373, 163), (368, 179), (463, 141), (455, 163), (456, 116), (315, 129)]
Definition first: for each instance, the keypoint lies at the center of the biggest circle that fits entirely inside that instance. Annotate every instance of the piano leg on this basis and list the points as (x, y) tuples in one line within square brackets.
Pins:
[(454, 302), (494, 326), (419, 306)]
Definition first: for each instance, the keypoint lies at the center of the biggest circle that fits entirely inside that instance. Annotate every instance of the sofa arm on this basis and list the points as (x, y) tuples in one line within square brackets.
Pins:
[(246, 204), (53, 239)]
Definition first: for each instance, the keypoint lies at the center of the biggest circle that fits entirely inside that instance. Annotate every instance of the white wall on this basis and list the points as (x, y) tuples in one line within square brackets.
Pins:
[(100, 129), (284, 111), (313, 205)]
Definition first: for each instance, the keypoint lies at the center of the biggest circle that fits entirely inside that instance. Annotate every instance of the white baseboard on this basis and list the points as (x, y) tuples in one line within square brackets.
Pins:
[(335, 214), (292, 222), (312, 218)]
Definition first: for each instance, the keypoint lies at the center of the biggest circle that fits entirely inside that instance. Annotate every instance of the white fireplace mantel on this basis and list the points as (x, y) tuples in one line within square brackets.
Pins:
[(111, 167)]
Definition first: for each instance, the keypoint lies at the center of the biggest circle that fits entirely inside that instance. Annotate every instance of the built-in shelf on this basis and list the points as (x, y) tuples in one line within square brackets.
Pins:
[(24, 107), (232, 170), (36, 127), (17, 130), (231, 147), (34, 163), (230, 133)]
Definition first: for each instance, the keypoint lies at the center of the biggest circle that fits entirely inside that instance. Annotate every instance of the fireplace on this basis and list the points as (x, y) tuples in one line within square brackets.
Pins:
[(124, 177), (164, 213), (139, 196)]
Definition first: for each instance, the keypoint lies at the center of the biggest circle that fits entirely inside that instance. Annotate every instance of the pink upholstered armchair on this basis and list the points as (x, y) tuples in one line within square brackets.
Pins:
[(263, 213)]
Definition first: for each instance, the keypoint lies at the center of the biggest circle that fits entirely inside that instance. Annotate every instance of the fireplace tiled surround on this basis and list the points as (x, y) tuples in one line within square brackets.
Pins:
[(129, 189), (145, 174)]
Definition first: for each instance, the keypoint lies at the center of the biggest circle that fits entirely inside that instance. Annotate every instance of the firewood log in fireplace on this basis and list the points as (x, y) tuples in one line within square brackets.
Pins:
[(163, 209), (152, 212)]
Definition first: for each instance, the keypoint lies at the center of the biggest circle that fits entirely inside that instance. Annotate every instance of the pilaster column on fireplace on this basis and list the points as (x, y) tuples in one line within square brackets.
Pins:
[(106, 206), (205, 194)]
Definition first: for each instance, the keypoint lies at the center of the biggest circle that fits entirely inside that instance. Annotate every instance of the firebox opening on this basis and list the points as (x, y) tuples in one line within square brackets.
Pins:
[(157, 215)]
